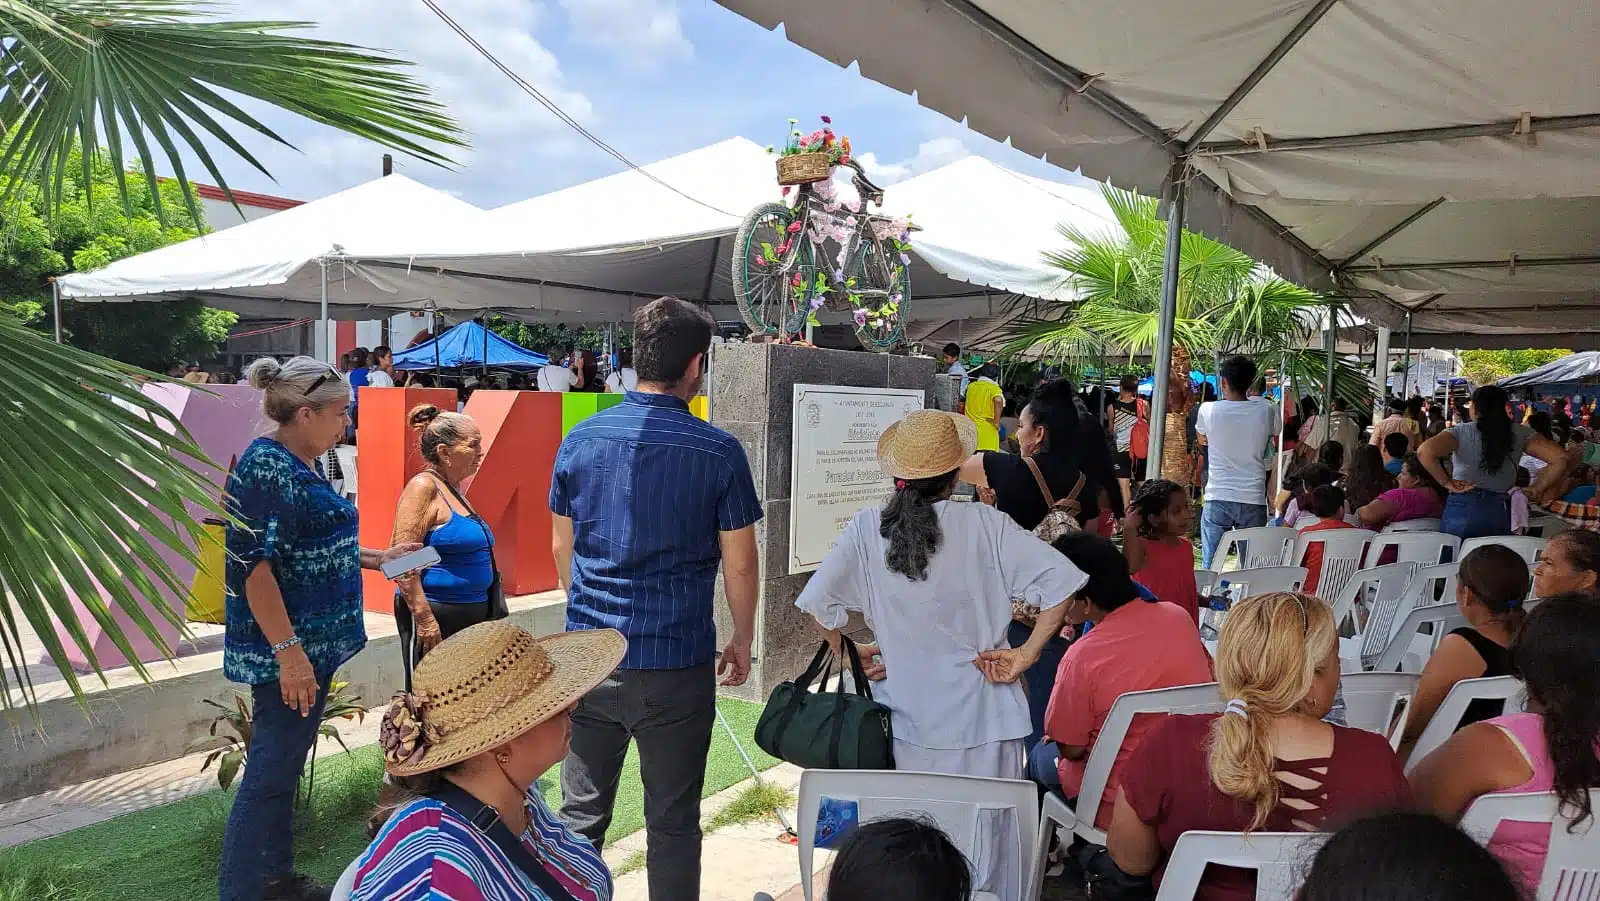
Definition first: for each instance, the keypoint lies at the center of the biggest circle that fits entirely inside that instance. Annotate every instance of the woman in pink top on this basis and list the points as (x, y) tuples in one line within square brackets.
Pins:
[(1155, 543), (1554, 747), (1418, 497)]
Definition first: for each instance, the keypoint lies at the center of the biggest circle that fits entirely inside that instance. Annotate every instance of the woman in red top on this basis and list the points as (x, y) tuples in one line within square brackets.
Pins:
[(1268, 763), (1155, 541)]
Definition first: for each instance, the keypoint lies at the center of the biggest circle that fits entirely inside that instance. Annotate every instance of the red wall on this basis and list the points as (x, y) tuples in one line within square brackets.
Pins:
[(387, 456), (521, 434)]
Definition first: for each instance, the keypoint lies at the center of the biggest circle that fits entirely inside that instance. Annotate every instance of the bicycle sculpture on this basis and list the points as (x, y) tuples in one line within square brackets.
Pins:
[(825, 252)]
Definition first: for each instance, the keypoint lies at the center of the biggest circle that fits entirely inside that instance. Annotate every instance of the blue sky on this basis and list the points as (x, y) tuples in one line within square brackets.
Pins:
[(651, 77)]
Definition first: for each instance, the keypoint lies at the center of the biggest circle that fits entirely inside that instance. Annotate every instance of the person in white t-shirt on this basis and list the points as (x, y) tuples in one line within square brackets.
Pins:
[(381, 373), (556, 375), (1238, 434), (623, 379)]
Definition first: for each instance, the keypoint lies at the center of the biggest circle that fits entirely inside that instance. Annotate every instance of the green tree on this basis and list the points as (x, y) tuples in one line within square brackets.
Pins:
[(90, 229), (1484, 366), (95, 486), (544, 336)]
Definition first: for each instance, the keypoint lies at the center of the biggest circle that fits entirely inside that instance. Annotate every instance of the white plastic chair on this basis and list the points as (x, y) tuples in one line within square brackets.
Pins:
[(1264, 546), (1205, 580), (1447, 719), (1388, 612), (1543, 525), (1342, 550), (1201, 698), (1372, 701), (1531, 547), (1571, 866), (1370, 590), (346, 454), (1265, 579), (954, 803), (1415, 525), (1422, 548), (347, 882), (1409, 648), (1279, 858)]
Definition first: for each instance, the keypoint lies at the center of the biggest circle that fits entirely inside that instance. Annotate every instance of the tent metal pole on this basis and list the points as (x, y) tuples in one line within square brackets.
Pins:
[(55, 297), (1502, 128), (1405, 377), (1169, 316), (1380, 372), (1285, 396), (1330, 341), (324, 340), (484, 371)]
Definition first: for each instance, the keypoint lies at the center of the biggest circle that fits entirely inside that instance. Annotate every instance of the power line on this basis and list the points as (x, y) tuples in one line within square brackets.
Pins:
[(556, 110)]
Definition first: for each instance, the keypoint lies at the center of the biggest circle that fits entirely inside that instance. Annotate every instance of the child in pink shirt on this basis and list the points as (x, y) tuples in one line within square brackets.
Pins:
[(1155, 541)]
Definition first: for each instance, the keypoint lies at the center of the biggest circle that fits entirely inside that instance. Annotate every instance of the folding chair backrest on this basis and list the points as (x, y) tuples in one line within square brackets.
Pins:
[(1531, 547), (346, 455), (1374, 585), (347, 882), (1372, 701), (1279, 859), (1448, 717), (1546, 526), (1415, 525), (1205, 580), (1202, 698), (1265, 579), (954, 803), (1572, 865), (1444, 617), (1264, 546), (1393, 599), (1423, 548), (1341, 556)]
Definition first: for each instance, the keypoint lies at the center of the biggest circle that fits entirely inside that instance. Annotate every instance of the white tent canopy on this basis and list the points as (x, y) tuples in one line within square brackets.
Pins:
[(599, 249), (274, 265), (1434, 159)]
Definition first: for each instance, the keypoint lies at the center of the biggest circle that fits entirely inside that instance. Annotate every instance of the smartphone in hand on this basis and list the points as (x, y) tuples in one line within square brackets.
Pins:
[(409, 563)]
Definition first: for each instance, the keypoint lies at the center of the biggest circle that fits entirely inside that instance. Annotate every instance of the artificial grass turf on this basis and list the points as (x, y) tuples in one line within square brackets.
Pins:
[(170, 853)]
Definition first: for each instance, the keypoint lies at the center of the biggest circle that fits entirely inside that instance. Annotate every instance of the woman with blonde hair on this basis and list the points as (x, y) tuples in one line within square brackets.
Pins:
[(462, 589), (1268, 762)]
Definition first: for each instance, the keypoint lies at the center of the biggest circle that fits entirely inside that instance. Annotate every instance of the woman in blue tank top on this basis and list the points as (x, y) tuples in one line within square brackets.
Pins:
[(455, 592)]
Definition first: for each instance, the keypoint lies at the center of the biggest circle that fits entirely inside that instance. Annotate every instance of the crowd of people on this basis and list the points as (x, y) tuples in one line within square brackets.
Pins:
[(1002, 633)]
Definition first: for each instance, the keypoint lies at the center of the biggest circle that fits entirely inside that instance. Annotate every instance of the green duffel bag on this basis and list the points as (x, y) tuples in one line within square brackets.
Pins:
[(827, 730)]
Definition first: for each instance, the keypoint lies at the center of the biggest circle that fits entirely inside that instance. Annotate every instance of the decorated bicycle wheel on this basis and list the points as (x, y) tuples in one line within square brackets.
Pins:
[(880, 313), (774, 275)]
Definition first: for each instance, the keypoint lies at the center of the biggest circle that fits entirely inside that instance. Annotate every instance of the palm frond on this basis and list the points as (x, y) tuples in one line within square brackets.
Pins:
[(102, 72), (1308, 367), (87, 511)]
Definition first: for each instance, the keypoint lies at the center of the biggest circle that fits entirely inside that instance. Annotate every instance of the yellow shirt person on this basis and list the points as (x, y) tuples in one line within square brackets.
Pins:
[(984, 401)]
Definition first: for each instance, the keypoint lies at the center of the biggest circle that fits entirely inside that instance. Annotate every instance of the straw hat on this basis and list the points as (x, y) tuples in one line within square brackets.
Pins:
[(927, 443), (487, 685)]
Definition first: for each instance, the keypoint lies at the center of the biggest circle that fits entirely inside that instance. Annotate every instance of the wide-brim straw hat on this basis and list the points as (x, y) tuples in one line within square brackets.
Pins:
[(485, 686), (927, 443)]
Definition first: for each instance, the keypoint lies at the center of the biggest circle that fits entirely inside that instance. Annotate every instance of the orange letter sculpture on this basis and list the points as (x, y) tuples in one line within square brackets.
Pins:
[(387, 456), (521, 434)]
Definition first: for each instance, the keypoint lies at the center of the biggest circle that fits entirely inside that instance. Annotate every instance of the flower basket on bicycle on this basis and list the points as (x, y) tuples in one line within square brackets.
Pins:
[(804, 168)]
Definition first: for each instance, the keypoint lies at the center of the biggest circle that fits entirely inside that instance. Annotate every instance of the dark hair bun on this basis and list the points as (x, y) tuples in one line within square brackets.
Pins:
[(421, 415)]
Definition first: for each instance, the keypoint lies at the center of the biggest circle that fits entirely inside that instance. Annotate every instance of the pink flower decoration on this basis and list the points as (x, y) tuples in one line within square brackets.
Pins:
[(760, 261), (793, 226), (787, 189), (797, 280), (861, 317), (844, 158)]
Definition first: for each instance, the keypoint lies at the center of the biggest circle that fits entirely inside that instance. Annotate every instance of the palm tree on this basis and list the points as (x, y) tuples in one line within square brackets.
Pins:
[(94, 487), (1227, 304)]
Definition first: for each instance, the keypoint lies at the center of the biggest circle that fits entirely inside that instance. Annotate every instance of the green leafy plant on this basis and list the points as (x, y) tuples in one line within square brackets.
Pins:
[(228, 736), (85, 511)]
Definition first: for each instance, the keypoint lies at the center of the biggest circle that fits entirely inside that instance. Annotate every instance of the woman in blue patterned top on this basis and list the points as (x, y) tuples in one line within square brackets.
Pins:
[(293, 612)]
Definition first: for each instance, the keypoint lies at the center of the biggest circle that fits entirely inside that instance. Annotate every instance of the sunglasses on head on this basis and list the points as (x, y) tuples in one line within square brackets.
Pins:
[(332, 375)]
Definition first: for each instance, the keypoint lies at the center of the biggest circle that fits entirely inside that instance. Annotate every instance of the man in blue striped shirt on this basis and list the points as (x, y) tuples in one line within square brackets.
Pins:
[(647, 501)]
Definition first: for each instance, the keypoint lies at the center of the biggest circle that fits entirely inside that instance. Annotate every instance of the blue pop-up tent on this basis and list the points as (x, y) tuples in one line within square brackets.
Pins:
[(468, 345), (1196, 377)]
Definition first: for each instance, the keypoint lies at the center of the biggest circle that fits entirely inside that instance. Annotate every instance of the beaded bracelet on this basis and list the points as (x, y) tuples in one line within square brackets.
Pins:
[(286, 644)]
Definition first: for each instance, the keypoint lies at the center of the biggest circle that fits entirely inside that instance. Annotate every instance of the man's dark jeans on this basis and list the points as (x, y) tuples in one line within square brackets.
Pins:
[(670, 713)]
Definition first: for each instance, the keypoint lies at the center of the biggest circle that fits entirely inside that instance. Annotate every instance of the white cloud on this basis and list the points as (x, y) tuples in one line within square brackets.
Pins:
[(641, 31), (931, 154), (504, 125)]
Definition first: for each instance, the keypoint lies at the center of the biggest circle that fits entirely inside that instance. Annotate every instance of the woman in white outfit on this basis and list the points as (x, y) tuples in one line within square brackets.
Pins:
[(934, 581)]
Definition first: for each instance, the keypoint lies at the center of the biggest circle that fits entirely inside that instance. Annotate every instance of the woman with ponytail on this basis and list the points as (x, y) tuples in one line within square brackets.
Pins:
[(1268, 763), (1484, 454)]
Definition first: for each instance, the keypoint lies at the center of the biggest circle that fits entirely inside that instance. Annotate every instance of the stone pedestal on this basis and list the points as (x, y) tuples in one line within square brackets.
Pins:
[(752, 398)]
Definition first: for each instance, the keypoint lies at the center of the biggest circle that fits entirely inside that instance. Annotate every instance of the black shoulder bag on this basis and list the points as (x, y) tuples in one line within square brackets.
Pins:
[(486, 820), (497, 592), (823, 730)]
